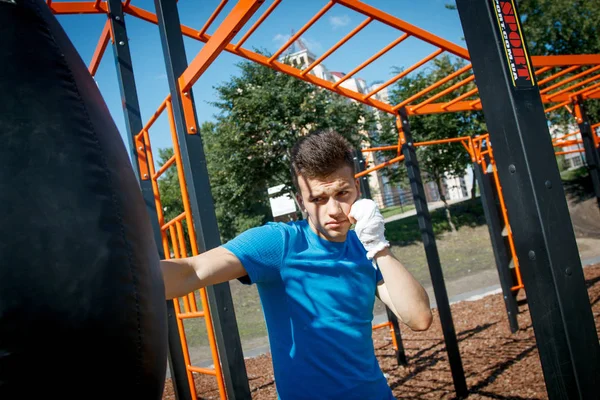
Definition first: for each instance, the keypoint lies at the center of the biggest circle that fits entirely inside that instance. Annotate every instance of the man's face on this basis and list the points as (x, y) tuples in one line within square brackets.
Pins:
[(327, 202)]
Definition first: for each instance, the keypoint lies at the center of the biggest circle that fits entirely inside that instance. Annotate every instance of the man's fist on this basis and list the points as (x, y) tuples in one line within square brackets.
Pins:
[(370, 227)]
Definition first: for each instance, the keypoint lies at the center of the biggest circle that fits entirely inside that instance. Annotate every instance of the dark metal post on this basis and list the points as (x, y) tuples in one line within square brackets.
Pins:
[(203, 211), (365, 190), (433, 258), (592, 155), (133, 125), (535, 199), (501, 253)]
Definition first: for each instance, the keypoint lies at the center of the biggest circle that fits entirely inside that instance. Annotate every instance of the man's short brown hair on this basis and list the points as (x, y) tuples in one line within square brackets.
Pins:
[(319, 154)]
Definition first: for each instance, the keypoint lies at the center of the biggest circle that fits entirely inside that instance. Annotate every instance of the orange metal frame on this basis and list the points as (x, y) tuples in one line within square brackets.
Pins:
[(560, 78), (174, 244), (553, 73)]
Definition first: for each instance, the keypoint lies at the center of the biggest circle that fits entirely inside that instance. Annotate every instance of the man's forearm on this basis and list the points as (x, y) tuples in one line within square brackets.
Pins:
[(409, 299), (179, 277), (184, 275)]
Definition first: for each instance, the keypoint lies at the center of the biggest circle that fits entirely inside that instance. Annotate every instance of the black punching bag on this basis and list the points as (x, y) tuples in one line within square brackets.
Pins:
[(82, 304)]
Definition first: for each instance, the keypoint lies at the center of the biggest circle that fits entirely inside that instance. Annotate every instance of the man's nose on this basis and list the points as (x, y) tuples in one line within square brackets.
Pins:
[(334, 207)]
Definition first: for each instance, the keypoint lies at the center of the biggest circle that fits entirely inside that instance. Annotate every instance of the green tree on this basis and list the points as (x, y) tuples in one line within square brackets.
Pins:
[(562, 27), (439, 161), (554, 27), (262, 113)]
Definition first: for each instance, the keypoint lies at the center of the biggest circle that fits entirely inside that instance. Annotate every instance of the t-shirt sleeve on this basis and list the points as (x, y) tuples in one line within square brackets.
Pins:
[(260, 250)]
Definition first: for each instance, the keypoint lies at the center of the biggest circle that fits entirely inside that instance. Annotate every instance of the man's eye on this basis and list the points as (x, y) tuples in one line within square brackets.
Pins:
[(316, 200), (343, 193)]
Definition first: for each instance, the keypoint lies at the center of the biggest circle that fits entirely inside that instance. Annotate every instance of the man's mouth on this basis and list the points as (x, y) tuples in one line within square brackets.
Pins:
[(334, 224)]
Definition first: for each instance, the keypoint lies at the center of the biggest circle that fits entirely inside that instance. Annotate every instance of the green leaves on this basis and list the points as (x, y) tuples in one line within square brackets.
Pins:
[(262, 115)]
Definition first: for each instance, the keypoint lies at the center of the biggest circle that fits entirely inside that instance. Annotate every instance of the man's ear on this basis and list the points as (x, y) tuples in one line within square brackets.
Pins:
[(300, 202), (357, 183)]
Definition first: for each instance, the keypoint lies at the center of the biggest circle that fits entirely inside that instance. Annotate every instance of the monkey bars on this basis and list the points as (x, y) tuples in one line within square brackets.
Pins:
[(562, 80)]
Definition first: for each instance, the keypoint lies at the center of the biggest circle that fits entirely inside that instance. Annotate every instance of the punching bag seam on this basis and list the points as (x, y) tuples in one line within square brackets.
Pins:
[(115, 202)]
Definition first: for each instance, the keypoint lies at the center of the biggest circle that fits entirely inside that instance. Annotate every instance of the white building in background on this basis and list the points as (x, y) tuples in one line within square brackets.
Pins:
[(572, 160), (385, 194)]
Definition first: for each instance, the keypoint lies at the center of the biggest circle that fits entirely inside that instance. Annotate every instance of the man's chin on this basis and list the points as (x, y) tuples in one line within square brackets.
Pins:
[(337, 234)]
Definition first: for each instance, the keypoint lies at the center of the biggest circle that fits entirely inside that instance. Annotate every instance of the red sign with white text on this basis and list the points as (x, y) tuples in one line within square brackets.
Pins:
[(519, 67)]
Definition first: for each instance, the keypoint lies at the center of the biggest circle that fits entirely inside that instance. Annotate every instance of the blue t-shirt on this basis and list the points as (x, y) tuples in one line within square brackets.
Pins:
[(317, 297)]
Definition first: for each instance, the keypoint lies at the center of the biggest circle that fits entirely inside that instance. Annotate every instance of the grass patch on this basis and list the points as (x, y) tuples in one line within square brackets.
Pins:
[(394, 210), (406, 231), (578, 184)]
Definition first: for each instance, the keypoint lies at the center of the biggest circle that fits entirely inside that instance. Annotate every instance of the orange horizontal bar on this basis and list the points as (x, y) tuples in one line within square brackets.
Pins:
[(405, 72), (191, 314), (382, 165), (199, 370), (587, 94), (78, 7), (157, 113), (302, 30), (234, 21), (564, 60), (576, 85), (100, 48), (382, 148), (558, 153), (565, 103), (405, 27), (558, 75), (256, 24), (212, 17), (571, 78), (374, 57), (444, 92), (441, 141), (459, 98), (567, 143), (173, 221), (587, 90), (565, 136), (382, 325), (337, 45), (433, 86), (165, 166)]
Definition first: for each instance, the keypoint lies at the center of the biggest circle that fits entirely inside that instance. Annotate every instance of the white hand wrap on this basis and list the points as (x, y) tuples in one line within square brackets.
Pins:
[(370, 226)]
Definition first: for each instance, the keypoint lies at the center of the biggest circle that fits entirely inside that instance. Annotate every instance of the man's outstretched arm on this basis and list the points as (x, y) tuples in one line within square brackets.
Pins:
[(184, 275), (402, 293)]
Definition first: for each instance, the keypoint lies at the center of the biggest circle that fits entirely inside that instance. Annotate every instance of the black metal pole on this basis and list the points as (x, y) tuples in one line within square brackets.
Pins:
[(535, 199), (433, 258), (365, 190), (203, 211), (133, 125), (592, 155), (501, 253)]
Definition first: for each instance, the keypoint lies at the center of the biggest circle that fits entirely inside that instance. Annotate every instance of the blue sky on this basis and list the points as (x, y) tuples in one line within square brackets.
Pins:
[(149, 68)]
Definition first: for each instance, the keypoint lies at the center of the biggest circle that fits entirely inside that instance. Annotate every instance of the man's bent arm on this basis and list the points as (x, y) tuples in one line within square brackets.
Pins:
[(402, 293), (184, 275)]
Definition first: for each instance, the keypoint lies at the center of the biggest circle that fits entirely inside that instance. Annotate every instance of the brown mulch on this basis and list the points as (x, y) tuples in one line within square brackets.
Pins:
[(497, 363)]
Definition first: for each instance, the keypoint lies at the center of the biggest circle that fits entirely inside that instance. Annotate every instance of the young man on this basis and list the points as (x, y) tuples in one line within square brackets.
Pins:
[(317, 280)]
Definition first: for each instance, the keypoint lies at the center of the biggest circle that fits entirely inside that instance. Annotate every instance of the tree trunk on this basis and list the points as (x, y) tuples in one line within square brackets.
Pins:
[(474, 186), (438, 182)]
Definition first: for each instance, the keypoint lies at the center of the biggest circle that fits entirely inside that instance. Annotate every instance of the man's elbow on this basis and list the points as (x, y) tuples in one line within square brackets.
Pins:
[(422, 322)]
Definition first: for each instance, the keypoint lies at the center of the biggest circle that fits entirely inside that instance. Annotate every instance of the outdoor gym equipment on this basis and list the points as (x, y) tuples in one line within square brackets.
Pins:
[(82, 310), (511, 94)]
